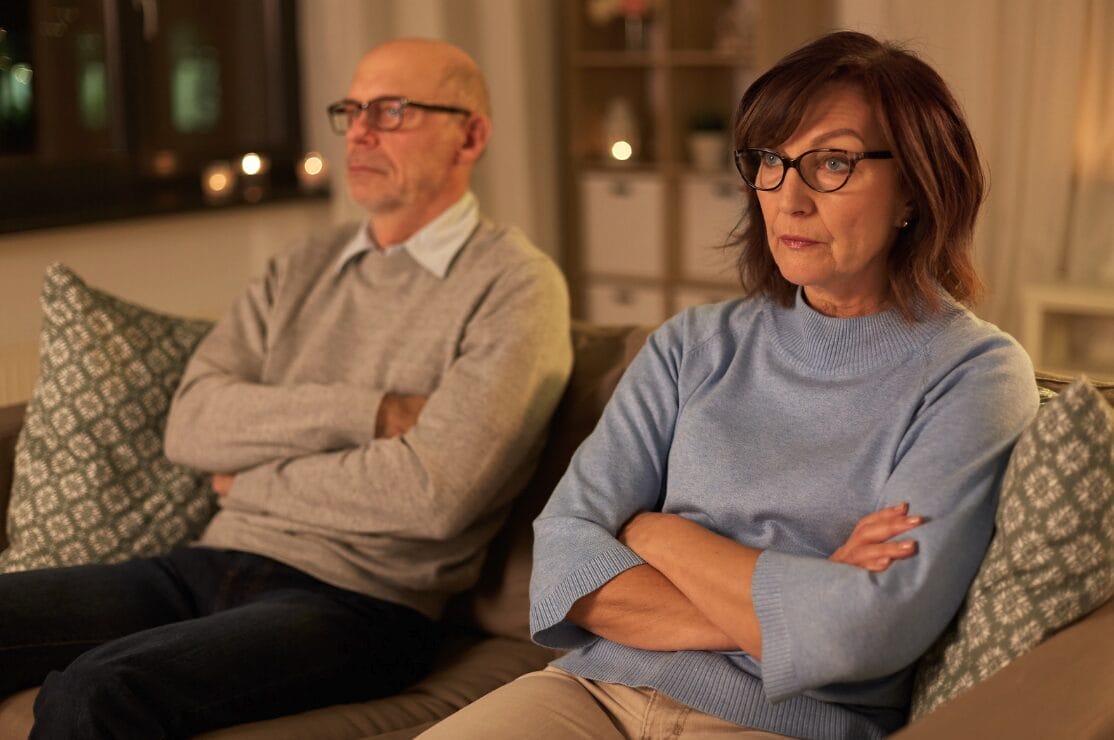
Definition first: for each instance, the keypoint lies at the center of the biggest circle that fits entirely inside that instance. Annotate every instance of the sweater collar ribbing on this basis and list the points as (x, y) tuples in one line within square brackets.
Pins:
[(858, 343)]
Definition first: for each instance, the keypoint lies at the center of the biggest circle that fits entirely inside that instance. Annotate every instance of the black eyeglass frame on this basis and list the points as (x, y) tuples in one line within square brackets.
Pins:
[(357, 109), (787, 164)]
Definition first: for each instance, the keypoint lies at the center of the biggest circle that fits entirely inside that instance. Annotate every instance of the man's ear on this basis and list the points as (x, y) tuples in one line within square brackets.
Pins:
[(477, 131)]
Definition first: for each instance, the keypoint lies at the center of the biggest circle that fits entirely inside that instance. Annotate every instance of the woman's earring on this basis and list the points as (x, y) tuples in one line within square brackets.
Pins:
[(904, 224)]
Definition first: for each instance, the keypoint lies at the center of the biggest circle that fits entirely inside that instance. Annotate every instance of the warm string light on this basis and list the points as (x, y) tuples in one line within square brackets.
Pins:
[(313, 164), (620, 129), (254, 168), (247, 176), (312, 172), (252, 164), (218, 181)]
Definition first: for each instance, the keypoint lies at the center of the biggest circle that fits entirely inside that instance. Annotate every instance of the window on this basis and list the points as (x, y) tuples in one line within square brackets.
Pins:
[(111, 108)]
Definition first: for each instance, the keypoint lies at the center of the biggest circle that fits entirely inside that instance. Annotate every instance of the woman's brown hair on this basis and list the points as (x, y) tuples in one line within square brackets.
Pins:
[(933, 149)]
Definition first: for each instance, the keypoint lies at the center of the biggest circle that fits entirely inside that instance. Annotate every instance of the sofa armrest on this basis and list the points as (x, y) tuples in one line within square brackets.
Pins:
[(1062, 688), (11, 419)]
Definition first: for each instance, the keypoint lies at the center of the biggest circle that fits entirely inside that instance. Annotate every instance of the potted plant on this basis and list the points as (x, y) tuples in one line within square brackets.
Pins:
[(635, 15), (707, 141)]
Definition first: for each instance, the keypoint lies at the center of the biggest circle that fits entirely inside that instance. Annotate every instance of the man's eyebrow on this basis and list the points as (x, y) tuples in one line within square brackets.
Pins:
[(827, 136)]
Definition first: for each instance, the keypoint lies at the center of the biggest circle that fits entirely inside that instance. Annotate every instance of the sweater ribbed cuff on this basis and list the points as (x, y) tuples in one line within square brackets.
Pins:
[(548, 626), (778, 675)]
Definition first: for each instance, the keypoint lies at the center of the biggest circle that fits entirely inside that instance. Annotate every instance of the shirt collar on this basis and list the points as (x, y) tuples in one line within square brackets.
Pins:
[(433, 246)]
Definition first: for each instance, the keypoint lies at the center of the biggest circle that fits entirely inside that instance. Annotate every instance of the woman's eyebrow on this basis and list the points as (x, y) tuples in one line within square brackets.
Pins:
[(836, 134)]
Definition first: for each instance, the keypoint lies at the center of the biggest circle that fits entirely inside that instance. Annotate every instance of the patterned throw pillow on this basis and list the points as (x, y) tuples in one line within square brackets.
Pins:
[(1051, 561), (91, 483)]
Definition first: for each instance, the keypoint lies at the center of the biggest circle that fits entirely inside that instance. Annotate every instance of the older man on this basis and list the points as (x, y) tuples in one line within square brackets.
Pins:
[(368, 409)]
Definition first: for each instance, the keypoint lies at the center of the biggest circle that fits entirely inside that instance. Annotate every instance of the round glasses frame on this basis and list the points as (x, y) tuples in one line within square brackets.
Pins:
[(787, 164), (343, 113)]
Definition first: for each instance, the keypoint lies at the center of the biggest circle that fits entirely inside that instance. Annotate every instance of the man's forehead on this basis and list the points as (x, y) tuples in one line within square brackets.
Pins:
[(396, 72)]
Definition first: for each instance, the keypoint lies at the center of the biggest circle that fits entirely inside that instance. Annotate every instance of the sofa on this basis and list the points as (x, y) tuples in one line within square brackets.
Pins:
[(1062, 688)]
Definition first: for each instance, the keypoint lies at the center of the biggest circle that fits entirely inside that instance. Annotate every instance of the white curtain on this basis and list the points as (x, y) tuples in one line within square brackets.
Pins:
[(1032, 103), (1036, 79), (1089, 249)]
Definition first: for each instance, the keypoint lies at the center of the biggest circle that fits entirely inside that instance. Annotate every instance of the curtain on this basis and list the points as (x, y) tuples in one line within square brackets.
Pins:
[(1033, 96), (1036, 80), (1089, 246)]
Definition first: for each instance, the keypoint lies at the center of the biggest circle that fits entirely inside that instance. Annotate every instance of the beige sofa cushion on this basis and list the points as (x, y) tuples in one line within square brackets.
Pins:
[(1062, 689), (11, 419), (467, 669)]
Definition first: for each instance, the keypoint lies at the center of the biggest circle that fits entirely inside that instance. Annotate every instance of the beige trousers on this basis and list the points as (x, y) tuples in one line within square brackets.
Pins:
[(552, 704)]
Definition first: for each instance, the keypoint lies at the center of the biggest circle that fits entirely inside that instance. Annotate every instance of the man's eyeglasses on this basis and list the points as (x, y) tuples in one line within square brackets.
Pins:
[(823, 170), (383, 114)]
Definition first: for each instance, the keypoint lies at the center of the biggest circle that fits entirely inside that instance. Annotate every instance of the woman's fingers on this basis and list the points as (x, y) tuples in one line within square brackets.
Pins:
[(877, 558), (871, 544), (884, 529)]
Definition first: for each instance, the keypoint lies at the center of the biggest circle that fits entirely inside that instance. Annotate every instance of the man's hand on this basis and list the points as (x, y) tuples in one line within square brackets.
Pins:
[(397, 414), (222, 483), (868, 546)]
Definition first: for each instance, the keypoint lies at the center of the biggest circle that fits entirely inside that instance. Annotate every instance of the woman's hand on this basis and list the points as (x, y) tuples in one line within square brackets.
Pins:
[(869, 547)]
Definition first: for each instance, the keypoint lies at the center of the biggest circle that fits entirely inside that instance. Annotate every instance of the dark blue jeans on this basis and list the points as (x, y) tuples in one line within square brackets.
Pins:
[(199, 639)]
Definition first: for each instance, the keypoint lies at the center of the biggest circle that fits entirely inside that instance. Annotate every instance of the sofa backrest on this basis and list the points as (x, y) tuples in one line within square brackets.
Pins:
[(1057, 383), (11, 419), (500, 602)]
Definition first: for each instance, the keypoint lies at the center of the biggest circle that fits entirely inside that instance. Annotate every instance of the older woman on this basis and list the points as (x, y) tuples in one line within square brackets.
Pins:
[(732, 547)]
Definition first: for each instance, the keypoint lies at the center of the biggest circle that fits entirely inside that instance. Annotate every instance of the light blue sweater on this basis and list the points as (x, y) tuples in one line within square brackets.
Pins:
[(781, 428)]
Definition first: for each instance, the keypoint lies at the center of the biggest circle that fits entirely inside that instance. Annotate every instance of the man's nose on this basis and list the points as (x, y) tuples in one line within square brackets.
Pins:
[(359, 131)]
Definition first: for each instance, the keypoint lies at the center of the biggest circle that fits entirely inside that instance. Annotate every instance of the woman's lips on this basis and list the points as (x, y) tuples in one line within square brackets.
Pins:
[(792, 241)]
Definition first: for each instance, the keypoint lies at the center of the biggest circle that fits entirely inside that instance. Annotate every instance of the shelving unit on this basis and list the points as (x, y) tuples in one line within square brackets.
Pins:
[(642, 236), (1070, 328)]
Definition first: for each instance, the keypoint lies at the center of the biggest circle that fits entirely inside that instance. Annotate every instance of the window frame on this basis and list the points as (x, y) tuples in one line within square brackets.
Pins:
[(120, 182)]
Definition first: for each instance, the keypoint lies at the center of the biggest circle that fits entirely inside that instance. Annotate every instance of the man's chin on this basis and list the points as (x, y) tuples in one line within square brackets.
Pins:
[(382, 206), (376, 204)]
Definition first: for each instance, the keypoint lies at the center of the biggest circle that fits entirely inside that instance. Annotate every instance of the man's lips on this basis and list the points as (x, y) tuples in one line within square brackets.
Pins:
[(365, 167)]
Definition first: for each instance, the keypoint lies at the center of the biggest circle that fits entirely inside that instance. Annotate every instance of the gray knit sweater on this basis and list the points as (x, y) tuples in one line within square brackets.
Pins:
[(285, 390)]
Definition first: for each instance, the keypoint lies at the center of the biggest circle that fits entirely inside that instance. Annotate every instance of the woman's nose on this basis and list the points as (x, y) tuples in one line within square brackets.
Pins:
[(794, 196)]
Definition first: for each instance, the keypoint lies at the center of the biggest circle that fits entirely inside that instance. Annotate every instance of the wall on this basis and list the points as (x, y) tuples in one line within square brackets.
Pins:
[(189, 264)]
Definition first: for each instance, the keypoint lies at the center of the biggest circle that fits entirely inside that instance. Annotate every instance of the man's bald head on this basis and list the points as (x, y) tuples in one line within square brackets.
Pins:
[(444, 73)]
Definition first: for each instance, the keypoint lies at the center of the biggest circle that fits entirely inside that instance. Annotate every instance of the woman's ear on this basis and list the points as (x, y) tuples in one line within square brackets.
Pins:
[(905, 218), (477, 130)]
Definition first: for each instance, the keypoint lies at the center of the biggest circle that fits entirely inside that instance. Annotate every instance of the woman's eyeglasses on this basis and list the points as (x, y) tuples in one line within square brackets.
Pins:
[(823, 170)]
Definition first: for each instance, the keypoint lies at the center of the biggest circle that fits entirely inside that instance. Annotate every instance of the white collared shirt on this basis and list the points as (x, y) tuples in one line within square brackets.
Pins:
[(433, 246)]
